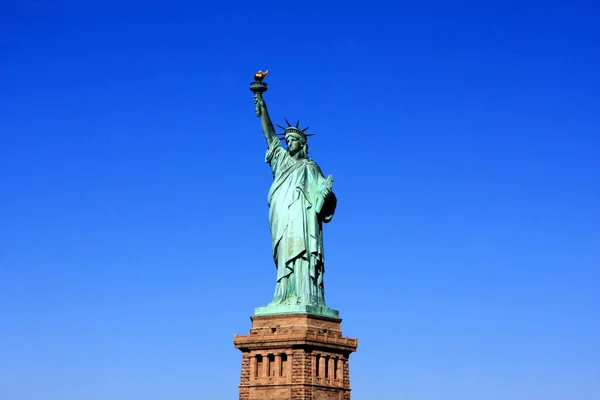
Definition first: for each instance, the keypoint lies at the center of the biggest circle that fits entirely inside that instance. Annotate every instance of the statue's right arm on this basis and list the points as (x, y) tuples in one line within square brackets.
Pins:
[(265, 120)]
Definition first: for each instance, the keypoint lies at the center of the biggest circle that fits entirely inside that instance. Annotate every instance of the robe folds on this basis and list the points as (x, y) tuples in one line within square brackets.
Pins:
[(298, 205)]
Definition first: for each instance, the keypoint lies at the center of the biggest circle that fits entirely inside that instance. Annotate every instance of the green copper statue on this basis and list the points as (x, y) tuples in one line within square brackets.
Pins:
[(300, 201)]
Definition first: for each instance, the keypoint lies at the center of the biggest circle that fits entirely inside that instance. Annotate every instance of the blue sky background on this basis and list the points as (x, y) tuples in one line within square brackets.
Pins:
[(464, 142)]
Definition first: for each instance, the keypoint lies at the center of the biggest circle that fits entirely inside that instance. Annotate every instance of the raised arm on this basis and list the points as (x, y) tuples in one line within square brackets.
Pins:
[(265, 120)]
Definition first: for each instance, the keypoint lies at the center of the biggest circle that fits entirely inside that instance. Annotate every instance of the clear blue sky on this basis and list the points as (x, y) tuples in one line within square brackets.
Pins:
[(134, 238)]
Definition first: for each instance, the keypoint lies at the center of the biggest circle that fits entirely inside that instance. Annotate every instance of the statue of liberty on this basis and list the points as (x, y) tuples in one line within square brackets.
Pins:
[(300, 201)]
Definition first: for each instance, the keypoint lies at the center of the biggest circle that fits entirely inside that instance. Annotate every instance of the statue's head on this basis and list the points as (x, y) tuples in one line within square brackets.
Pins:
[(295, 138), (296, 142)]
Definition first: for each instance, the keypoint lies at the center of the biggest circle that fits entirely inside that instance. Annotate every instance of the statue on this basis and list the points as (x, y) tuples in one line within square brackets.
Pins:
[(300, 201)]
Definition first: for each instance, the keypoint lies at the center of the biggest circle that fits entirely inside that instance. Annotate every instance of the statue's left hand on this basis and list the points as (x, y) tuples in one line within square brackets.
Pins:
[(326, 199), (326, 190)]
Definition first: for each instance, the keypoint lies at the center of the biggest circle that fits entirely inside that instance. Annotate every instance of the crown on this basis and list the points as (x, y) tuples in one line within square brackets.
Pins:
[(293, 129)]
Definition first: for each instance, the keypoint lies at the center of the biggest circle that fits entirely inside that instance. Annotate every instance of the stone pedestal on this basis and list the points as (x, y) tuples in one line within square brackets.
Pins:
[(295, 357)]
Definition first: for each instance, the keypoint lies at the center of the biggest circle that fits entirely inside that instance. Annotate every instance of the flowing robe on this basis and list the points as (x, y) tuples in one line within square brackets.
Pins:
[(297, 208)]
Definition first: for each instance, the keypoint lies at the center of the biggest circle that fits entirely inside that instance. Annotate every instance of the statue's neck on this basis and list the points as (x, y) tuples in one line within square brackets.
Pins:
[(298, 157)]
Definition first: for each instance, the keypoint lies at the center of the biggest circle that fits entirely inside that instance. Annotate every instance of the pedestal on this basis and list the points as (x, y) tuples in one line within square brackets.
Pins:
[(295, 357)]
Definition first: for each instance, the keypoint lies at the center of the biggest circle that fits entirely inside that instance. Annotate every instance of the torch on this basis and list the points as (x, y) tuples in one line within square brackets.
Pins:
[(258, 86)]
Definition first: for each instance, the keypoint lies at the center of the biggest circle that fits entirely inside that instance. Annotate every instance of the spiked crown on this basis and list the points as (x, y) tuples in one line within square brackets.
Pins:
[(290, 129)]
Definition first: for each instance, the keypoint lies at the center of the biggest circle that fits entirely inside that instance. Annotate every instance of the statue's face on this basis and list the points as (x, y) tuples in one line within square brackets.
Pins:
[(293, 144)]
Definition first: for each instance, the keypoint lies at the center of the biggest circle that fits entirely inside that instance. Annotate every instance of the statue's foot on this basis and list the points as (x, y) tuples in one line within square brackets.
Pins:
[(278, 301)]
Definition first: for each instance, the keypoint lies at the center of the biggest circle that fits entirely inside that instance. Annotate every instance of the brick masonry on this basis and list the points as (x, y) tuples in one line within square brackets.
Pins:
[(295, 357)]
